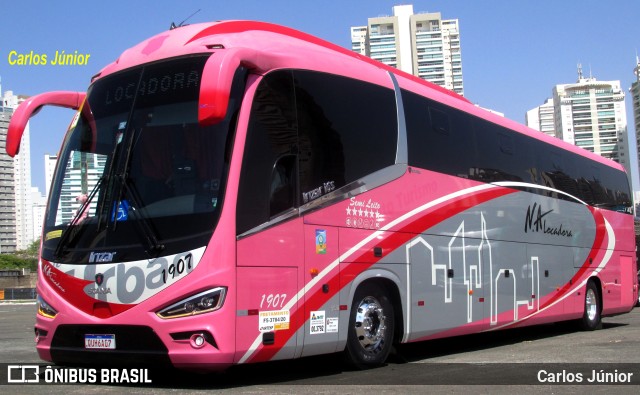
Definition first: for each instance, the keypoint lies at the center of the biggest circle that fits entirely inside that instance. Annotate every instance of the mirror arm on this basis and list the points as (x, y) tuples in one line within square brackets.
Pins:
[(30, 107), (217, 78)]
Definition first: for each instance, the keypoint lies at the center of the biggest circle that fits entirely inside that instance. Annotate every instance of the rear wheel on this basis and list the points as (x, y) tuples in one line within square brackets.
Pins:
[(371, 327), (592, 307)]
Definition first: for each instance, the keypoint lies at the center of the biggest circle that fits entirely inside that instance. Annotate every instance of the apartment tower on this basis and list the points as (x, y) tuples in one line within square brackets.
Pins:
[(421, 44), (592, 115)]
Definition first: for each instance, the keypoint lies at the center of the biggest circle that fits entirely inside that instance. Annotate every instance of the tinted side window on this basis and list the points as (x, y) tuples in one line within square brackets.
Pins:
[(267, 174), (502, 154), (348, 129), (439, 138), (449, 141), (554, 169), (619, 192), (604, 186)]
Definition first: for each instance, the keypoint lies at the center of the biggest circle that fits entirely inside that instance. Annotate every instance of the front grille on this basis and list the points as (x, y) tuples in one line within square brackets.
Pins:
[(135, 346)]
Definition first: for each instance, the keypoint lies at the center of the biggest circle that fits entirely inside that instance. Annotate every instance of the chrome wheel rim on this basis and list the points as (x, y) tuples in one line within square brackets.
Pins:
[(370, 325), (591, 304)]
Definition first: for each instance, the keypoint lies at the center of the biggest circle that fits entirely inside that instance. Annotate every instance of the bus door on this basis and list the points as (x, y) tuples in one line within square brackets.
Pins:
[(267, 283), (270, 247)]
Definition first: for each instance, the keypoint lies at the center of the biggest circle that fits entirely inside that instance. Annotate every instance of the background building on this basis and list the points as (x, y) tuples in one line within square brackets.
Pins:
[(16, 218), (588, 113), (50, 162), (8, 241), (592, 115), (635, 100), (422, 44), (81, 175), (541, 118), (38, 210)]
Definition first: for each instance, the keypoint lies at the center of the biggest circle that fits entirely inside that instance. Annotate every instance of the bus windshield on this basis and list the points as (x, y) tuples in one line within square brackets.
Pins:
[(136, 169)]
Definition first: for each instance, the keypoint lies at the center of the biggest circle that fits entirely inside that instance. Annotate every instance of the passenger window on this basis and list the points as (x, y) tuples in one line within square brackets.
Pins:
[(283, 185), (506, 143), (348, 130), (439, 138), (439, 121), (502, 155)]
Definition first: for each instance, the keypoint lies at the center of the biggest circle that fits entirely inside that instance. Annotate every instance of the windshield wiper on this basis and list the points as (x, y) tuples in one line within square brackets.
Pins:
[(143, 223), (72, 229)]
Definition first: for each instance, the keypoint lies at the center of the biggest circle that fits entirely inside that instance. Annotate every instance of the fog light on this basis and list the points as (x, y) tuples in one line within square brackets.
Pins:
[(41, 334), (197, 340)]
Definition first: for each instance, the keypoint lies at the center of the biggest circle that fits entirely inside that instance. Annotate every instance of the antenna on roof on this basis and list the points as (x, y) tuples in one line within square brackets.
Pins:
[(579, 71), (174, 26)]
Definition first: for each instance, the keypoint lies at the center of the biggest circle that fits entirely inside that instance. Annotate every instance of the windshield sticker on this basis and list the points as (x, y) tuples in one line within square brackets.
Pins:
[(122, 213), (270, 321), (317, 324), (332, 324), (321, 241), (54, 234)]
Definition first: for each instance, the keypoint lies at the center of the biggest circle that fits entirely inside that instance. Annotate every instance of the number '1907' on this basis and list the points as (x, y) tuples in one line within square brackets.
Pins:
[(177, 268)]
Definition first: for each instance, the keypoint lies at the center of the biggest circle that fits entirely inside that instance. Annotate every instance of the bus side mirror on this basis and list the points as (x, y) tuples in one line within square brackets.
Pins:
[(30, 107), (217, 76)]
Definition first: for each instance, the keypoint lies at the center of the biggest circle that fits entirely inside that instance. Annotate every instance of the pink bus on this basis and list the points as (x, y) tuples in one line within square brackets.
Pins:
[(238, 192)]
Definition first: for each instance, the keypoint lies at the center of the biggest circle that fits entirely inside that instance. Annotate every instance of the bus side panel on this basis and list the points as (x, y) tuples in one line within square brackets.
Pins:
[(277, 246), (322, 321), (265, 291), (617, 285), (448, 284), (620, 275), (627, 266), (552, 267)]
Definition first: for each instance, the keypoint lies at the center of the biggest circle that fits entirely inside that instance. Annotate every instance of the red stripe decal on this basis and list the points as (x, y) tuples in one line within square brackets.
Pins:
[(396, 238)]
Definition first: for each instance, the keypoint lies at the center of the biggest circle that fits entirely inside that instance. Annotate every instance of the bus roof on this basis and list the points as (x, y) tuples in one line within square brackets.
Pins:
[(209, 37)]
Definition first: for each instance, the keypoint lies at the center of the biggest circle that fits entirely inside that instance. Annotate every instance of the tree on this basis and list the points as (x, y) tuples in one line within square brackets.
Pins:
[(22, 259)]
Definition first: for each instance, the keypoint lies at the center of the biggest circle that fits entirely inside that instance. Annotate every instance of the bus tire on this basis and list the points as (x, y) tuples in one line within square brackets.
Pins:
[(591, 319), (371, 326)]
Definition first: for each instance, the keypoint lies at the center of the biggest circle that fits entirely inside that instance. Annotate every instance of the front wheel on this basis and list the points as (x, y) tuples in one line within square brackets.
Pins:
[(592, 308), (371, 326)]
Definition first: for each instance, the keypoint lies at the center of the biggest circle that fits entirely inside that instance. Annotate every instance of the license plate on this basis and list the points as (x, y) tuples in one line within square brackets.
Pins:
[(100, 342)]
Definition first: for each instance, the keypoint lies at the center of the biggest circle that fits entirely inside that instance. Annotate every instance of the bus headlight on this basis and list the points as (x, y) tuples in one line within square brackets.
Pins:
[(45, 309), (204, 302)]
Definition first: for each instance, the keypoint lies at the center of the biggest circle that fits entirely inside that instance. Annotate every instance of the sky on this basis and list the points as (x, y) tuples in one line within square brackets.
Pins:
[(513, 51)]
